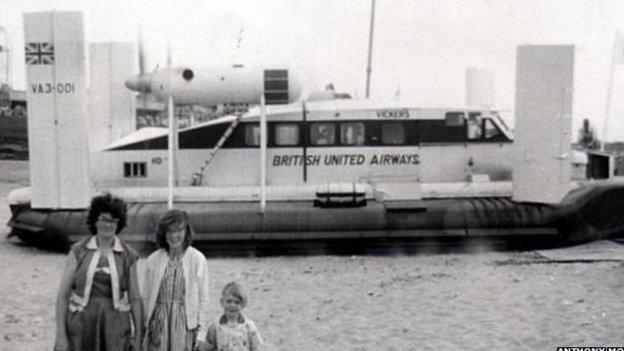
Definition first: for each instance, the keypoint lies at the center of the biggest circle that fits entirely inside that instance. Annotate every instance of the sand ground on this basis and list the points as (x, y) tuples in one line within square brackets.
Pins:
[(531, 300)]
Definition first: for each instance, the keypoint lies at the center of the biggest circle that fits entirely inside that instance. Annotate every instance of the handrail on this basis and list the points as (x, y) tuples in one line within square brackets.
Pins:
[(199, 175)]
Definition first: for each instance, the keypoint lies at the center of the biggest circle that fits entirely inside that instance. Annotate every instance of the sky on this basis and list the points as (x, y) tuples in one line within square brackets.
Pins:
[(421, 48)]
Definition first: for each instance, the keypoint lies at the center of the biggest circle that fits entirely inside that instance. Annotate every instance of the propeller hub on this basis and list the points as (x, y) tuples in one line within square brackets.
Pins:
[(141, 83)]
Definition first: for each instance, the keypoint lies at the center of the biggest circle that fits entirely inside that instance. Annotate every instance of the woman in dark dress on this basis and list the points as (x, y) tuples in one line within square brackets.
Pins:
[(99, 295)]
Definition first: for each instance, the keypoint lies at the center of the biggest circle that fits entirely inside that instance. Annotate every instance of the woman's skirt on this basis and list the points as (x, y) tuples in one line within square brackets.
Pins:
[(98, 327)]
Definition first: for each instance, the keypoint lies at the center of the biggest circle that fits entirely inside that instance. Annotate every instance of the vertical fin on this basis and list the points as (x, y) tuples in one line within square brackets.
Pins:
[(56, 93), (542, 150), (112, 107)]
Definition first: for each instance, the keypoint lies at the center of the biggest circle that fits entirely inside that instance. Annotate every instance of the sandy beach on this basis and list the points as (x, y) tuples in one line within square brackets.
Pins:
[(533, 300)]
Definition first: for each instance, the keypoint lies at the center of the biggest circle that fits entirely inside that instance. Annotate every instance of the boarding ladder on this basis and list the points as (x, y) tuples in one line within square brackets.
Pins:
[(199, 175)]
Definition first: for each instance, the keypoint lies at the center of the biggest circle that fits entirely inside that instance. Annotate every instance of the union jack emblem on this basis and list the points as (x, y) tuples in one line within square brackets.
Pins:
[(39, 54)]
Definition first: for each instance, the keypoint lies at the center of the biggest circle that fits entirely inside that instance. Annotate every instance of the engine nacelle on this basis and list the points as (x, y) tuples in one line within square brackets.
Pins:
[(214, 85)]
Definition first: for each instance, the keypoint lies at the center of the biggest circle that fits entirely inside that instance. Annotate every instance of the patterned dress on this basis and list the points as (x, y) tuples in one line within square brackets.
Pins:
[(167, 330)]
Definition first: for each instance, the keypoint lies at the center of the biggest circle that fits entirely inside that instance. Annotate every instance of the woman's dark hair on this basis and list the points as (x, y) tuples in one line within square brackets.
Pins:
[(171, 220), (107, 203)]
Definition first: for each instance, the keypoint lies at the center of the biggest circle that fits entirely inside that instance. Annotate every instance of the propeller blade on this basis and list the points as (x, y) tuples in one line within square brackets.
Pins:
[(169, 52), (141, 53)]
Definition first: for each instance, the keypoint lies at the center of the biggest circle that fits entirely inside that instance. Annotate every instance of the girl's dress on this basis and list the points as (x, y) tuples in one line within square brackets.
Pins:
[(167, 330)]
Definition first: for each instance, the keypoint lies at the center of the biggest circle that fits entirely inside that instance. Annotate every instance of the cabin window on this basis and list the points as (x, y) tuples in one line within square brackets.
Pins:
[(252, 135), (455, 119), (352, 133), (392, 134), (322, 134), (286, 134), (490, 129), (474, 126), (135, 169)]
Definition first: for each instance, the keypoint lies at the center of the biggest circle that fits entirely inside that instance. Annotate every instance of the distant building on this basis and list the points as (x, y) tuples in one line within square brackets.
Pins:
[(597, 163), (11, 99), (17, 98), (12, 102), (328, 94), (151, 112), (617, 150), (13, 124)]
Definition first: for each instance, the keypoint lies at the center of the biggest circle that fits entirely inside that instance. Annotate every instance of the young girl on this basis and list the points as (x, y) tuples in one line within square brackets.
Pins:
[(233, 332), (176, 289)]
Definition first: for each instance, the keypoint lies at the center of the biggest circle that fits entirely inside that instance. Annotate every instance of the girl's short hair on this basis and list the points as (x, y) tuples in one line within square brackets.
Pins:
[(172, 219), (236, 290), (107, 203)]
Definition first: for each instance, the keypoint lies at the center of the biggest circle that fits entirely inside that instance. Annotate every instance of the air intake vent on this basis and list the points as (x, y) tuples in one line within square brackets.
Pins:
[(276, 86)]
